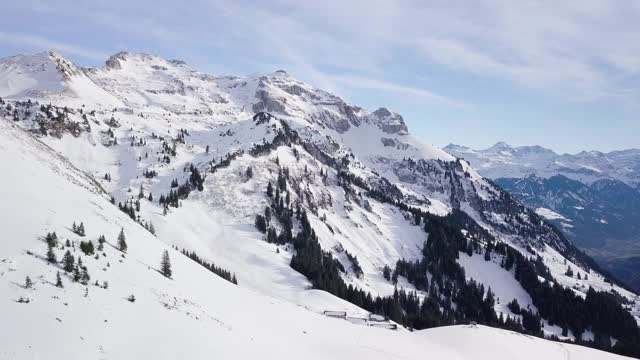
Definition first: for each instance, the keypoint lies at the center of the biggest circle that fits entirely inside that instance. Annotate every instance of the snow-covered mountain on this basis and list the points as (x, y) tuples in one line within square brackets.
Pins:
[(593, 197), (503, 161), (308, 200), (603, 217)]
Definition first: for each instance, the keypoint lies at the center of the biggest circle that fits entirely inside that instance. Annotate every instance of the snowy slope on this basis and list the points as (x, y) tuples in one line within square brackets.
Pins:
[(193, 315), (170, 117), (50, 76), (592, 196)]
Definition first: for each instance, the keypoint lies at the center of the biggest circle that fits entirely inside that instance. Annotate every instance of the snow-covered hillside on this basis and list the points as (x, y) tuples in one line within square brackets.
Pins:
[(262, 175), (193, 315), (593, 197)]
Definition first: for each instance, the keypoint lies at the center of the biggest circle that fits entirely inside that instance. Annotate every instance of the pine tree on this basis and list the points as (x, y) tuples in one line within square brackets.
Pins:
[(122, 244), (165, 264), (87, 247), (81, 229), (141, 192), (386, 272), (269, 189), (84, 275), (569, 272), (51, 255), (28, 283), (68, 261), (77, 275), (52, 239), (58, 280), (261, 224)]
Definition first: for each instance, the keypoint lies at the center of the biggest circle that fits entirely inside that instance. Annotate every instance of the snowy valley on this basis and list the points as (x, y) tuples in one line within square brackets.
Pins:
[(312, 205)]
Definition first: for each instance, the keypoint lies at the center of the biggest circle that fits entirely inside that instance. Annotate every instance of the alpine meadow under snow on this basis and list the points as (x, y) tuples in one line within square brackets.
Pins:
[(294, 225)]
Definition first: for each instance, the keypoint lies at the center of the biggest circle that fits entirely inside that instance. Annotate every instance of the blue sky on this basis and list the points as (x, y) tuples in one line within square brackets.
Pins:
[(565, 76)]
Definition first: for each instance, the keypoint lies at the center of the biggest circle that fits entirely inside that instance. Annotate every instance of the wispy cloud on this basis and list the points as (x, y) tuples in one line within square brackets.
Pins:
[(359, 82), (41, 43), (585, 50)]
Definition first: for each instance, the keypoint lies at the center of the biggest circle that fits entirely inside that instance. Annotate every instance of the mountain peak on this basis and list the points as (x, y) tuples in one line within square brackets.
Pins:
[(116, 61), (456, 147), (390, 122), (499, 146), (281, 73)]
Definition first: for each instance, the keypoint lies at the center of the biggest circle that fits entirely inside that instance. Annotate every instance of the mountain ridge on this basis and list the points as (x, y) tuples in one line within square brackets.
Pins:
[(584, 166), (210, 147)]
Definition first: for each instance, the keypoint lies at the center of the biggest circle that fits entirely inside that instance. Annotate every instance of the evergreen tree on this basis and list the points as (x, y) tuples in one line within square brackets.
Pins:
[(84, 275), (76, 273), (52, 239), (68, 261), (58, 280), (165, 264), (122, 243), (269, 189), (87, 247), (261, 223), (386, 272), (569, 271), (28, 283), (51, 255)]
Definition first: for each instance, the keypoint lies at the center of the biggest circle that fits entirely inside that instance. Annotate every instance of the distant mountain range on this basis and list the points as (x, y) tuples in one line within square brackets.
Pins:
[(594, 197)]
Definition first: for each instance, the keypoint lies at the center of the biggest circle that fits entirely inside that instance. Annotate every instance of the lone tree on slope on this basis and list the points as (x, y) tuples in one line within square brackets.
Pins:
[(165, 264), (58, 280), (28, 283), (122, 243)]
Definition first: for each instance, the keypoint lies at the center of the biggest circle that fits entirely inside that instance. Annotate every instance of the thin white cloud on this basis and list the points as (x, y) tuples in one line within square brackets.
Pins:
[(42, 43), (586, 49), (359, 82)]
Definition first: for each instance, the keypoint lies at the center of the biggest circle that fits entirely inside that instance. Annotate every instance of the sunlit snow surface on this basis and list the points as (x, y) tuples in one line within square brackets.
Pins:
[(273, 313)]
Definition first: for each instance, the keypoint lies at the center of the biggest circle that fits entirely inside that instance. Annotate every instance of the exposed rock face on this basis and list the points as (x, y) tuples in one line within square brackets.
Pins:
[(64, 66), (389, 122), (394, 143), (267, 103)]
